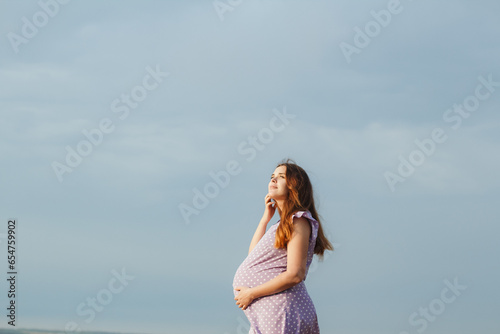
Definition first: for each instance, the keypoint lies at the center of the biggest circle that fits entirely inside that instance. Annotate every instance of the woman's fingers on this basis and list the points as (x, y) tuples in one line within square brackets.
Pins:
[(269, 199), (238, 302)]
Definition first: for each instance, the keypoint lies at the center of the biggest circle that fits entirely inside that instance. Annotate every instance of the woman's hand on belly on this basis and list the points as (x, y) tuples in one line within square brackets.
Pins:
[(244, 297)]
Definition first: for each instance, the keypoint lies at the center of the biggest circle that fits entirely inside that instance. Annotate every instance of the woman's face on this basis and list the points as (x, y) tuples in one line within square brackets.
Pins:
[(277, 185)]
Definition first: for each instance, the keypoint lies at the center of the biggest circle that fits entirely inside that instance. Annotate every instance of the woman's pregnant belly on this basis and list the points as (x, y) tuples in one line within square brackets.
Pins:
[(262, 264)]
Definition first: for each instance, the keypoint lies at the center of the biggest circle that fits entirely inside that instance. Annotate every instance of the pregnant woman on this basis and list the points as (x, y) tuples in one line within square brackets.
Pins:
[(269, 285)]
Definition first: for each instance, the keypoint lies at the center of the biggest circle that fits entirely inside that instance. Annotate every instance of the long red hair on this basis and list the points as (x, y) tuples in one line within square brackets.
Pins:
[(300, 198)]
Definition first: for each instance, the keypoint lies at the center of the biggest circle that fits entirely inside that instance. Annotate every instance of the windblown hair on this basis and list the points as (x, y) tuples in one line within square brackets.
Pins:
[(300, 198)]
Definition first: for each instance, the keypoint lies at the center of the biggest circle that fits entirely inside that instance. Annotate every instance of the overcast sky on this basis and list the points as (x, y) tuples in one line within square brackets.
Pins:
[(138, 139)]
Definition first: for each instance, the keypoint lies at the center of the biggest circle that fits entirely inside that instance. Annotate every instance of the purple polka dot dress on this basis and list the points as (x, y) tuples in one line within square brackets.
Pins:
[(289, 311)]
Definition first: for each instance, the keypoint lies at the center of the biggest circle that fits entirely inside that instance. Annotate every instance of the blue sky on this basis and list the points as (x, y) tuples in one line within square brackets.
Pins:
[(399, 135)]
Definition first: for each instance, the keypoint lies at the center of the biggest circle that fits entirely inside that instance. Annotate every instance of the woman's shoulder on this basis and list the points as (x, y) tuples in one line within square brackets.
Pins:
[(305, 213)]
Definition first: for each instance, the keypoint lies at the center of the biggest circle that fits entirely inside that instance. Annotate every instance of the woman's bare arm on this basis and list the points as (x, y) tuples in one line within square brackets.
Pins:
[(259, 232), (266, 217)]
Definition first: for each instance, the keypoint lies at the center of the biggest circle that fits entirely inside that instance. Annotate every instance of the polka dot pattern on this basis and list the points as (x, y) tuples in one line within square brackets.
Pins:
[(290, 311)]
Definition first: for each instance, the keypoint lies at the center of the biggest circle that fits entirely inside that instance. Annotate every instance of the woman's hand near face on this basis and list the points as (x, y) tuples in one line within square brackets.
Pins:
[(261, 228), (269, 210)]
